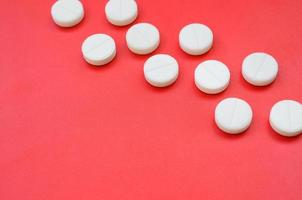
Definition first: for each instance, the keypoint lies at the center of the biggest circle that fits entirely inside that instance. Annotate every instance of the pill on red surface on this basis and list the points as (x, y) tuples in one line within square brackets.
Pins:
[(233, 115), (121, 12), (196, 39), (99, 49), (259, 69), (286, 118), (67, 13), (143, 38), (212, 76), (161, 70)]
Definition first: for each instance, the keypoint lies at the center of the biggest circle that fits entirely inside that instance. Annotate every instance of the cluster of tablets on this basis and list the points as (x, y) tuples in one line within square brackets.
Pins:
[(232, 115)]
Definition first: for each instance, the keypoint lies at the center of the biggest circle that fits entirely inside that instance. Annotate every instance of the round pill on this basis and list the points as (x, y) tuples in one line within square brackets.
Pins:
[(212, 77), (286, 118), (259, 69), (196, 39), (67, 13), (121, 12), (98, 49), (142, 38), (161, 70), (233, 115)]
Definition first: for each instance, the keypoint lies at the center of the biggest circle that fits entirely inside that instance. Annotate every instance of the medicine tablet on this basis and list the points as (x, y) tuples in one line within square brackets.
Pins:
[(286, 118), (233, 115), (161, 70), (259, 69), (99, 49), (196, 39), (142, 38), (212, 77), (121, 12), (67, 13)]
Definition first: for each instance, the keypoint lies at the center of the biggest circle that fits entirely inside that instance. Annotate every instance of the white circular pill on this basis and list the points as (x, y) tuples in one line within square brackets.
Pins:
[(142, 38), (99, 49), (121, 12), (212, 76), (233, 115), (67, 13), (286, 118), (259, 69), (196, 39), (161, 70)]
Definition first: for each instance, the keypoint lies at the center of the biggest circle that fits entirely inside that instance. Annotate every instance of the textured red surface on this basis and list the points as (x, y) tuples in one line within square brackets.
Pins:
[(72, 131)]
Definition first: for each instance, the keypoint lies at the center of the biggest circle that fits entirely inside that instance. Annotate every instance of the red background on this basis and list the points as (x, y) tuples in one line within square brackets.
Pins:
[(69, 130)]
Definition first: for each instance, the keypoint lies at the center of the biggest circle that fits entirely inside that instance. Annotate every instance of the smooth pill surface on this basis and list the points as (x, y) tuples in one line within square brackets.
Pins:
[(233, 115), (161, 70), (196, 39), (121, 12), (143, 38), (286, 118), (259, 69), (212, 76), (98, 49), (67, 13)]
